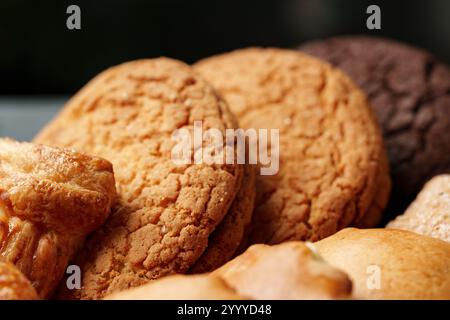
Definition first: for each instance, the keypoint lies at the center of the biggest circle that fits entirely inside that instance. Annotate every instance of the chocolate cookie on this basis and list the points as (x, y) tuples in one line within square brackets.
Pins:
[(410, 93), (167, 211), (333, 170)]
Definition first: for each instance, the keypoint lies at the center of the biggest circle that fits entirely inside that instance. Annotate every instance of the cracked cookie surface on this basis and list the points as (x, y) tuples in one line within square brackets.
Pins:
[(167, 212), (226, 240), (333, 169), (409, 91)]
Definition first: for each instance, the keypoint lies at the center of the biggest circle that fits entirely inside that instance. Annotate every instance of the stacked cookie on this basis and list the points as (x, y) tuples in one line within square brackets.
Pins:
[(193, 217), (409, 91), (167, 213), (249, 234), (333, 168)]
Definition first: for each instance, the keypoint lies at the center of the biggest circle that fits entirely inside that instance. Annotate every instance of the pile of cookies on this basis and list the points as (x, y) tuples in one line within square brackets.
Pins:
[(98, 188)]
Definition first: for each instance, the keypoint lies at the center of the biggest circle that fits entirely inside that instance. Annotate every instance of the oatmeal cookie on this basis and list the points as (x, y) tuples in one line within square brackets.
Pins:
[(226, 240), (167, 211), (409, 90), (333, 168)]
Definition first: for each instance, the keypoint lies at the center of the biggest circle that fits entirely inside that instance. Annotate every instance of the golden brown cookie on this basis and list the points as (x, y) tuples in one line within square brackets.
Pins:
[(226, 239), (180, 287), (290, 270), (333, 167), (390, 263), (409, 91), (50, 199), (429, 214), (128, 115), (14, 285)]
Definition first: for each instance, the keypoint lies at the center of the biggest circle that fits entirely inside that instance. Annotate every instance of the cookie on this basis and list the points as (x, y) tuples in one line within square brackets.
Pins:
[(429, 214), (50, 199), (291, 270), (180, 287), (14, 285), (167, 211), (409, 91), (226, 240), (333, 170), (390, 263)]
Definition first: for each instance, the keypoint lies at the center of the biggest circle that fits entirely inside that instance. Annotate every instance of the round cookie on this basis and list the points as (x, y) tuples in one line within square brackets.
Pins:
[(226, 239), (390, 263), (14, 285), (410, 93), (333, 170), (167, 212)]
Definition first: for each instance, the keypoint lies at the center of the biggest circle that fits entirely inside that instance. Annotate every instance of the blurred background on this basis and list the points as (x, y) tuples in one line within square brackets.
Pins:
[(42, 63)]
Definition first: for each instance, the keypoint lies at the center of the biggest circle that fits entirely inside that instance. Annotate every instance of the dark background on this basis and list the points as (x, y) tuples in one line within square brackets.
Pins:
[(39, 55)]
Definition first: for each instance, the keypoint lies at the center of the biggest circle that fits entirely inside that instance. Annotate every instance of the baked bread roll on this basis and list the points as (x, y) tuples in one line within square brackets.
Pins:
[(14, 285), (429, 214), (180, 287), (50, 199), (390, 263), (291, 270)]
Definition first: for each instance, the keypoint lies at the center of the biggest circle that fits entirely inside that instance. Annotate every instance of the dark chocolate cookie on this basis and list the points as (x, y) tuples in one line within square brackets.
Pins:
[(410, 93)]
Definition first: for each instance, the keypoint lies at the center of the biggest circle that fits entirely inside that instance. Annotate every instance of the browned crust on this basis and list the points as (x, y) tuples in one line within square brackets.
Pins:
[(14, 285), (50, 199)]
